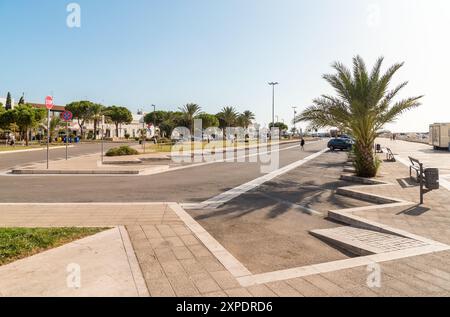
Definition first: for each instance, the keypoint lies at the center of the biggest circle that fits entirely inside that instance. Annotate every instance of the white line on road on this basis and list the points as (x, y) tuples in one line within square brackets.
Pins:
[(225, 197)]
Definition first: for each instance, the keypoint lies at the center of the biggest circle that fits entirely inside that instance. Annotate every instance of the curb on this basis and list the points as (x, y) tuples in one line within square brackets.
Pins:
[(79, 172)]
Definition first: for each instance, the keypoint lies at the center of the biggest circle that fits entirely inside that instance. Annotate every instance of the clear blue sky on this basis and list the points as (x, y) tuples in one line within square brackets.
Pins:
[(220, 52)]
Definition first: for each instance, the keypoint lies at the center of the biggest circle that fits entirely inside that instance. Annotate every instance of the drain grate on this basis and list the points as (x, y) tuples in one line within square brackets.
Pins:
[(365, 242)]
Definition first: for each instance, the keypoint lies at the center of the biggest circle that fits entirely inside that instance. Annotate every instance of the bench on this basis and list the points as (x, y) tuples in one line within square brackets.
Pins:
[(389, 155), (417, 167)]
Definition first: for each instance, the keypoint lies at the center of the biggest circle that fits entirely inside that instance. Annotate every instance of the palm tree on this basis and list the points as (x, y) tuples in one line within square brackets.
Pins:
[(246, 118), (55, 123), (190, 111), (96, 112), (361, 108), (227, 117)]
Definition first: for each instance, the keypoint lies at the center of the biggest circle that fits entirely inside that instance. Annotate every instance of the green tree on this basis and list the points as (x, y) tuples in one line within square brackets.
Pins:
[(22, 100), (8, 104), (280, 125), (118, 115), (208, 120), (156, 117), (362, 107), (228, 117), (246, 118), (171, 121), (190, 111), (81, 111), (25, 118)]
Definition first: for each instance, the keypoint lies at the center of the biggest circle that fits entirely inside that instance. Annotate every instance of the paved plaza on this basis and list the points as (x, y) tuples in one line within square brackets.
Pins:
[(257, 244)]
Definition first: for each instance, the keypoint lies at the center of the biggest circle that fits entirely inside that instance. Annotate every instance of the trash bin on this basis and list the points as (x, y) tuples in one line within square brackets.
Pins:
[(431, 178)]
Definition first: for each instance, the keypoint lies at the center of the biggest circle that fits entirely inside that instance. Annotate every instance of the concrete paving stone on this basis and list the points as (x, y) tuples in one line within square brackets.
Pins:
[(283, 289), (160, 288), (174, 242), (166, 231), (434, 280), (182, 253), (183, 286), (189, 240), (145, 255), (205, 283), (428, 268), (199, 250), (192, 266), (210, 263), (355, 288), (181, 230), (152, 270), (411, 279), (173, 268), (238, 292), (165, 255), (225, 280), (215, 294), (157, 242), (327, 286), (261, 291), (306, 288), (403, 288)]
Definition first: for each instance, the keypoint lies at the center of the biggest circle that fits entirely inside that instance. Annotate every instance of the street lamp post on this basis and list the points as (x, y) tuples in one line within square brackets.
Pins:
[(273, 84), (154, 124), (295, 115)]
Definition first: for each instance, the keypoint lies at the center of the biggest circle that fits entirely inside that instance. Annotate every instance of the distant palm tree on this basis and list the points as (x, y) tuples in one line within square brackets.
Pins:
[(246, 118), (228, 117), (96, 110), (190, 111), (361, 108), (55, 124)]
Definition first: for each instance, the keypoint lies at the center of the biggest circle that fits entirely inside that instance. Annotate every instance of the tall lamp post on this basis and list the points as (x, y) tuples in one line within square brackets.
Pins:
[(273, 84), (295, 115), (154, 124)]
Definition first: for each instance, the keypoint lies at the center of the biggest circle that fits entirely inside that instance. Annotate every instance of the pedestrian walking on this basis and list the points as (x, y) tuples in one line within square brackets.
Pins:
[(302, 144)]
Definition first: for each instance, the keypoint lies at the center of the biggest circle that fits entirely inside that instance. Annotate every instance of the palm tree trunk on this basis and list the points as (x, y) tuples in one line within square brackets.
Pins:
[(95, 129), (365, 161)]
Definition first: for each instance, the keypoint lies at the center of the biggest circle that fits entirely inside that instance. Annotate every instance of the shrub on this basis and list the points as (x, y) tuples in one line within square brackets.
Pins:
[(121, 151)]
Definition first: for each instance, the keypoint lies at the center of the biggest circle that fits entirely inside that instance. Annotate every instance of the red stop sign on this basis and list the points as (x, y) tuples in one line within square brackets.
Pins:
[(49, 102)]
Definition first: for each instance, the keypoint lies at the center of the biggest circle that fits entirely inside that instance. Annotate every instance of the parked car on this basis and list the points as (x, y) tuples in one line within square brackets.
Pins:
[(340, 144)]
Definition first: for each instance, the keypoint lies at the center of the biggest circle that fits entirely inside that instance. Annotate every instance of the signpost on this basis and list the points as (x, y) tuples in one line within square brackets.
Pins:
[(67, 116), (103, 136), (49, 106)]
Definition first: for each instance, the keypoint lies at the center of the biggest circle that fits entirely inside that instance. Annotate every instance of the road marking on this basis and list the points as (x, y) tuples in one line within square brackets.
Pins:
[(225, 197), (35, 150), (151, 171)]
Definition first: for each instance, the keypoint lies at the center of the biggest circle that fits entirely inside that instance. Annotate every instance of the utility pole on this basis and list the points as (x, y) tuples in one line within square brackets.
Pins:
[(273, 84)]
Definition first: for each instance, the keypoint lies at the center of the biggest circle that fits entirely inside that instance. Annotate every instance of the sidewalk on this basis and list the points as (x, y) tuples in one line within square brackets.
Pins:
[(105, 263)]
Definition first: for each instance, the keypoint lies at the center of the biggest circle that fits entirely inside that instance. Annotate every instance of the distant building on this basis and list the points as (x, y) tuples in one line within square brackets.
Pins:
[(55, 112)]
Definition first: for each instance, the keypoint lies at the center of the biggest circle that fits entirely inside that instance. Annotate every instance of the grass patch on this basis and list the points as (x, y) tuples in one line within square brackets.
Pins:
[(18, 243)]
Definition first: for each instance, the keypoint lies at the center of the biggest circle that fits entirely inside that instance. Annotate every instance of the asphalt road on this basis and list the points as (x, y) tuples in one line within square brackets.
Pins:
[(194, 184), (9, 160)]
